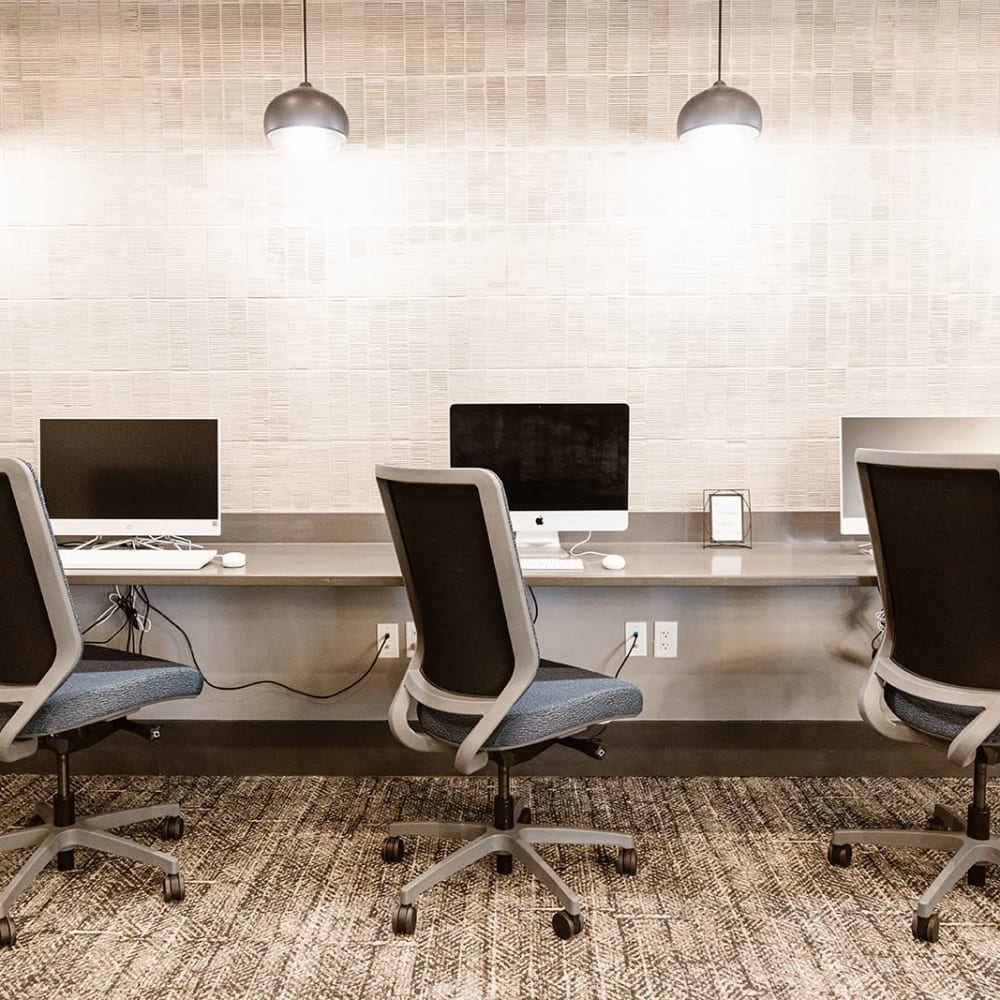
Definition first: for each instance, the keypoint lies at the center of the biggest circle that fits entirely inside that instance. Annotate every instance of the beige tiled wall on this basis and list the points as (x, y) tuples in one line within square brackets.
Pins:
[(512, 219)]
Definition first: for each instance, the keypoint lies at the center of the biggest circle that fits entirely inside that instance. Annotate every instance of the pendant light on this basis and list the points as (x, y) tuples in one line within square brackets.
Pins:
[(720, 115), (304, 122)]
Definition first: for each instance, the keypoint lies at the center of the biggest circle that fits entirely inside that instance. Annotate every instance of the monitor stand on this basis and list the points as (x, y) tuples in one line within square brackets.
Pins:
[(539, 544)]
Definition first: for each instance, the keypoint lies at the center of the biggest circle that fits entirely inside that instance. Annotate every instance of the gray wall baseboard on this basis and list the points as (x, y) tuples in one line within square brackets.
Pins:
[(776, 748)]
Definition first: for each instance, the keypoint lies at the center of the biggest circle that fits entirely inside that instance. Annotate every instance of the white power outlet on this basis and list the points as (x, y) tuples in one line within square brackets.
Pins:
[(411, 638), (665, 639), (631, 628), (390, 651)]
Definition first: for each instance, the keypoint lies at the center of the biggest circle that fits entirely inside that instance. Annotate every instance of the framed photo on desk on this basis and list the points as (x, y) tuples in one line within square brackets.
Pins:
[(727, 519)]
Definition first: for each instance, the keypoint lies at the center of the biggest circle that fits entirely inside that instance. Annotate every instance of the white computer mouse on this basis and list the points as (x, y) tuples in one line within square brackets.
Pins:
[(233, 560), (613, 562)]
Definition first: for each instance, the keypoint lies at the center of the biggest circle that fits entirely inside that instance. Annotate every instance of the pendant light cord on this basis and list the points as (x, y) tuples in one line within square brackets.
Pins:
[(718, 78), (305, 53)]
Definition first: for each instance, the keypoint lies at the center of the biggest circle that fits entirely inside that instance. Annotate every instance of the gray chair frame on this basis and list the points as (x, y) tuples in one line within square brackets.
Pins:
[(969, 847), (53, 837), (518, 839)]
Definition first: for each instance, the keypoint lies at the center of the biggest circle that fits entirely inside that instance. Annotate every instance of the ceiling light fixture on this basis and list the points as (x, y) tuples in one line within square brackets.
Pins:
[(304, 122), (721, 114)]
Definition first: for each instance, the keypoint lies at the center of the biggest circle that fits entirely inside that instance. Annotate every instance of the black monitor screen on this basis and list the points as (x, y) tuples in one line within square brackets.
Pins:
[(130, 469), (549, 456)]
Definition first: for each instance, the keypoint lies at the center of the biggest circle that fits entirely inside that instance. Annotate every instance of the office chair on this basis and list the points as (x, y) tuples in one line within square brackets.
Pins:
[(935, 529), (476, 682), (62, 695)]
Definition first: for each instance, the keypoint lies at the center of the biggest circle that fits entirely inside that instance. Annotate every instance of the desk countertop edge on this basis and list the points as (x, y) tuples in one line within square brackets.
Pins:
[(664, 564)]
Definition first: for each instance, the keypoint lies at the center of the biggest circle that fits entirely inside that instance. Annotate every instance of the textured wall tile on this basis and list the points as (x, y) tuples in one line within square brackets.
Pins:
[(512, 219)]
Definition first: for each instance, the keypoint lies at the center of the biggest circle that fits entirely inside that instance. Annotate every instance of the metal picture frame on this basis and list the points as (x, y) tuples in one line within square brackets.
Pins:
[(727, 518)]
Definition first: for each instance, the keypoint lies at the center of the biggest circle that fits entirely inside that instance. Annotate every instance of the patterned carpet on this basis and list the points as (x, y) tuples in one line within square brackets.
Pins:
[(287, 897)]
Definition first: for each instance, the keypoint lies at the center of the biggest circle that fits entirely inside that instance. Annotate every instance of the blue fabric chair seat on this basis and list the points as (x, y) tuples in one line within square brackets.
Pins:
[(935, 718), (108, 684), (561, 699)]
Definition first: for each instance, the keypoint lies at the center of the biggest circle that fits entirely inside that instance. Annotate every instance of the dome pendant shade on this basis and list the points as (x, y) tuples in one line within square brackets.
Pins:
[(720, 110), (722, 116), (305, 121)]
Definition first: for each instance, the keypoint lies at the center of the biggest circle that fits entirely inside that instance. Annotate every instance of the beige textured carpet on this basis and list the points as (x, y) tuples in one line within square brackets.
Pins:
[(287, 896)]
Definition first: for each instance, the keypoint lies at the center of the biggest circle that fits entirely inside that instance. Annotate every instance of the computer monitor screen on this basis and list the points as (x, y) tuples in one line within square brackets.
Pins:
[(564, 466), (131, 477), (954, 435)]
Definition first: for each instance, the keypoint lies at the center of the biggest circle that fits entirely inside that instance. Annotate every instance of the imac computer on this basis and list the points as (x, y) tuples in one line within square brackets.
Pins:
[(131, 478), (564, 466), (956, 435)]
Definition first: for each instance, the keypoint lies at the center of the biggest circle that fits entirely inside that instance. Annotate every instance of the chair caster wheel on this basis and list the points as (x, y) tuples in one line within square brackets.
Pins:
[(626, 863), (8, 932), (524, 817), (976, 875), (944, 819), (172, 827), (392, 849), (926, 928), (173, 888), (566, 924), (505, 864), (404, 920), (839, 855)]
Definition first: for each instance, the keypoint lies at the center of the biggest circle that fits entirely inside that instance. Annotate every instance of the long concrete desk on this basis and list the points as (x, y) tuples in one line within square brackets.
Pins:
[(769, 637), (677, 564)]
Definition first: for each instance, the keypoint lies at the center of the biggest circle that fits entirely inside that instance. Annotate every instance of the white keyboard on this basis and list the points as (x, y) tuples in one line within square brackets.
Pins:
[(530, 563), (136, 558)]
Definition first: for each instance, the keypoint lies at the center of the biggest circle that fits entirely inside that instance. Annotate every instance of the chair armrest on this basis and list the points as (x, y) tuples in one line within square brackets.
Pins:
[(415, 689), (469, 758), (878, 715), (19, 749), (399, 723), (962, 749), (28, 699)]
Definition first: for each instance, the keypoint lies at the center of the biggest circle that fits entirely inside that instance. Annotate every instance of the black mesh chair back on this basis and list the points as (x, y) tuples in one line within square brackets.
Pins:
[(30, 646), (465, 591), (453, 588), (42, 641), (936, 538)]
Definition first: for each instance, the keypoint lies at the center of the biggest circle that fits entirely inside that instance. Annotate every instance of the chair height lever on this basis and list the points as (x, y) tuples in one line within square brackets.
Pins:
[(147, 732), (591, 747)]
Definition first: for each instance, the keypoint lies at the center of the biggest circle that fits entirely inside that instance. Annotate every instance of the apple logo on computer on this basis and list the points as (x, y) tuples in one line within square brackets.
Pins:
[(539, 520)]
